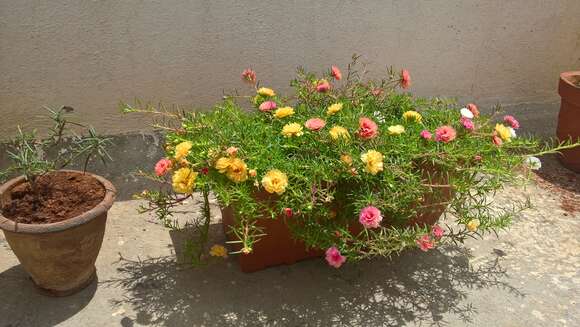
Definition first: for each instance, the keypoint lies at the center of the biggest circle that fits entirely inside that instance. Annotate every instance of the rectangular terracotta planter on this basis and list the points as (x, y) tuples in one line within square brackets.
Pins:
[(276, 248)]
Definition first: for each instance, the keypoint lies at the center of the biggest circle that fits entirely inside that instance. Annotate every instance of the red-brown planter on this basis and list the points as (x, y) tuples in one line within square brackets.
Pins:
[(569, 117), (59, 257), (278, 247)]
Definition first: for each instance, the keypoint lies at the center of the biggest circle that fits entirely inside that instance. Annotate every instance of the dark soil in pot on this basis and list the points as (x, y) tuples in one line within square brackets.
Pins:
[(59, 196)]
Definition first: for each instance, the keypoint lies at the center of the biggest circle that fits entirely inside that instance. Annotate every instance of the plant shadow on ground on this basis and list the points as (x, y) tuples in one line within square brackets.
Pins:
[(560, 181), (22, 305), (414, 287)]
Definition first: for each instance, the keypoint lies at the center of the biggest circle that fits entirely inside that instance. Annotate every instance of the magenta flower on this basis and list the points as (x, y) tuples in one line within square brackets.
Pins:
[(370, 217), (445, 134), (437, 231), (511, 121), (162, 167), (425, 243), (405, 79), (426, 134), (467, 123), (334, 258), (315, 124), (323, 86), (367, 128), (267, 106), (249, 76)]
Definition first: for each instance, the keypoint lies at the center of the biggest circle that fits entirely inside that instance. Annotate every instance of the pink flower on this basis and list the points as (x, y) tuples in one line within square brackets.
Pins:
[(425, 243), (315, 124), (267, 106), (511, 121), (162, 167), (335, 72), (367, 128), (334, 258), (249, 76), (477, 158), (232, 151), (405, 79), (370, 217), (445, 134), (497, 140), (467, 123), (288, 212), (377, 91), (473, 108), (437, 231), (426, 134), (323, 86)]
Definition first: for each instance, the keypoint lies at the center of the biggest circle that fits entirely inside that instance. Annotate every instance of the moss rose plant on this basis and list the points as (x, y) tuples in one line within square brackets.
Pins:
[(355, 165)]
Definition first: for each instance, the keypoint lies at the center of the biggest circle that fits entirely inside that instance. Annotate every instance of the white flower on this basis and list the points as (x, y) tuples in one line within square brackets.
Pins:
[(379, 116), (466, 113), (533, 162), (513, 132)]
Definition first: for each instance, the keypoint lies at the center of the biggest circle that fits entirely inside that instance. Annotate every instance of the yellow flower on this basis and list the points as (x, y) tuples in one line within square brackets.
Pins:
[(373, 160), (264, 91), (345, 158), (275, 181), (218, 251), (182, 150), (472, 225), (183, 180), (396, 130), (253, 173), (292, 129), (237, 171), (284, 112), (337, 132), (503, 132), (222, 164), (412, 116), (332, 109)]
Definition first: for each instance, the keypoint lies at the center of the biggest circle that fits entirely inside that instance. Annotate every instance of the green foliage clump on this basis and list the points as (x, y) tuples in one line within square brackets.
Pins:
[(231, 150)]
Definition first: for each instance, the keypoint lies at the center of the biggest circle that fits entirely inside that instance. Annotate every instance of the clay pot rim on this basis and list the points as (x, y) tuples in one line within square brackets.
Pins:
[(565, 76), (100, 209)]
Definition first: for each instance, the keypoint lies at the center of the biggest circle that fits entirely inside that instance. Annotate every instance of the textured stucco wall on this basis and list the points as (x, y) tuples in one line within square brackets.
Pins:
[(91, 54)]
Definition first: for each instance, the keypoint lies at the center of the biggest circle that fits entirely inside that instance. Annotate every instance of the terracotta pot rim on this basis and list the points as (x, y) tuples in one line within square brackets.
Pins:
[(101, 208), (565, 76)]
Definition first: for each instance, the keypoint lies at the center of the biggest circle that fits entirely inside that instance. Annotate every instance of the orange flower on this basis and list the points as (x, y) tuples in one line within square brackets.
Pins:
[(335, 72)]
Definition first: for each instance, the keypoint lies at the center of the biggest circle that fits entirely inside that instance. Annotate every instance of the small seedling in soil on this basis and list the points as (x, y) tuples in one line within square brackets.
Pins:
[(36, 158)]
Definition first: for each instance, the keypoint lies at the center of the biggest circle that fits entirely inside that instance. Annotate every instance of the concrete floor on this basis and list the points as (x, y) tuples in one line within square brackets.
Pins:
[(528, 277)]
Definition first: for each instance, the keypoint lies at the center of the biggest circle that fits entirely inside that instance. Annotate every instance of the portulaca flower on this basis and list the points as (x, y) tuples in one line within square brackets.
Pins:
[(466, 113), (512, 132), (533, 162)]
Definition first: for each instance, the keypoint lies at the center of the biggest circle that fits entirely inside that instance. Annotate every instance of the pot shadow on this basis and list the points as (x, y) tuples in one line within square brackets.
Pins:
[(21, 304), (555, 173), (414, 287)]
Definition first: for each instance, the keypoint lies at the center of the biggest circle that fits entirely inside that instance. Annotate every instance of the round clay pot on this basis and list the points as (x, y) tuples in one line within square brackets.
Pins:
[(569, 117), (59, 257)]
